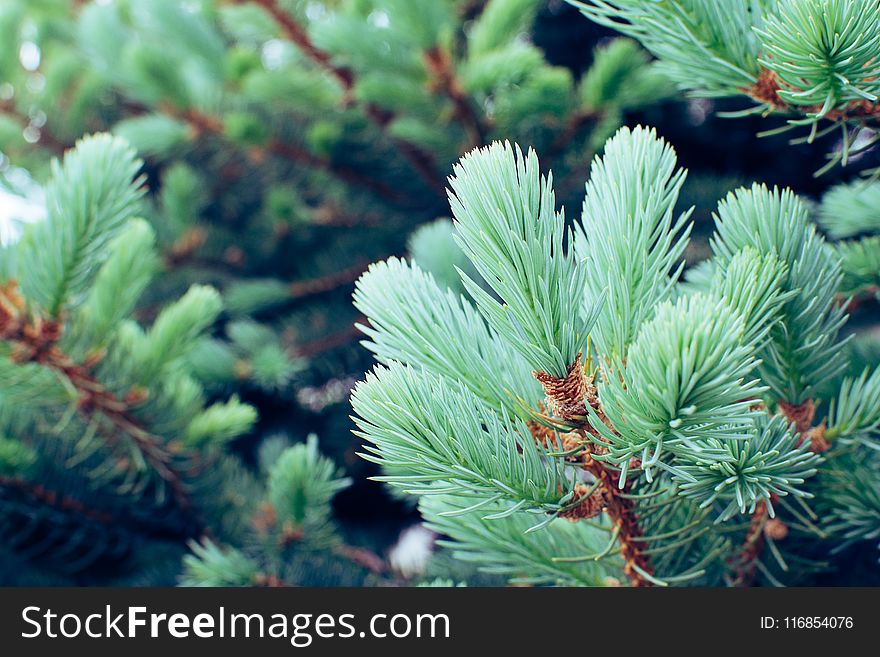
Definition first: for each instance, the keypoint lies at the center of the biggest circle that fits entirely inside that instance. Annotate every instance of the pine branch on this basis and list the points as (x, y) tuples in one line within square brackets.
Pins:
[(61, 532), (40, 495), (206, 124), (802, 416), (766, 88), (420, 159), (621, 510), (813, 60), (36, 341), (462, 346)]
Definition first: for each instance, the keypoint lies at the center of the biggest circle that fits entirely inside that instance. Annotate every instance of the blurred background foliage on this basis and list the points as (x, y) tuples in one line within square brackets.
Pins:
[(289, 143)]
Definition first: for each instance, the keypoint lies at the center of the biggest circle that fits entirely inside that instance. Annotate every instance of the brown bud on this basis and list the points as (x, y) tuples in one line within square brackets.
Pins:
[(265, 518), (242, 369), (136, 395), (818, 442), (589, 507), (234, 256), (775, 529), (567, 396), (802, 415)]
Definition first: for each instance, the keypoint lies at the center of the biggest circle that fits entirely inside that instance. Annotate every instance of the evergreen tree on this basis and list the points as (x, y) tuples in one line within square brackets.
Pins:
[(185, 318), (111, 456), (569, 400)]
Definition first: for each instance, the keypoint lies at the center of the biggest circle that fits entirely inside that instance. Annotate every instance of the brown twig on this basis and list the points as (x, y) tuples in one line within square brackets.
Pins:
[(766, 89), (50, 498), (301, 156), (623, 516), (439, 65), (327, 283), (201, 123), (329, 215), (802, 416), (762, 525), (184, 247), (45, 137), (262, 580), (266, 523), (296, 33), (567, 395), (855, 299), (328, 342), (362, 557), (746, 562), (567, 398), (570, 130)]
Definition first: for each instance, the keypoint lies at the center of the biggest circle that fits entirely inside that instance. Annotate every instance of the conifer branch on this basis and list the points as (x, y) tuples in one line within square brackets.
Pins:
[(36, 341), (202, 123), (40, 495), (420, 159), (621, 510), (766, 87), (567, 396), (802, 417), (59, 531)]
